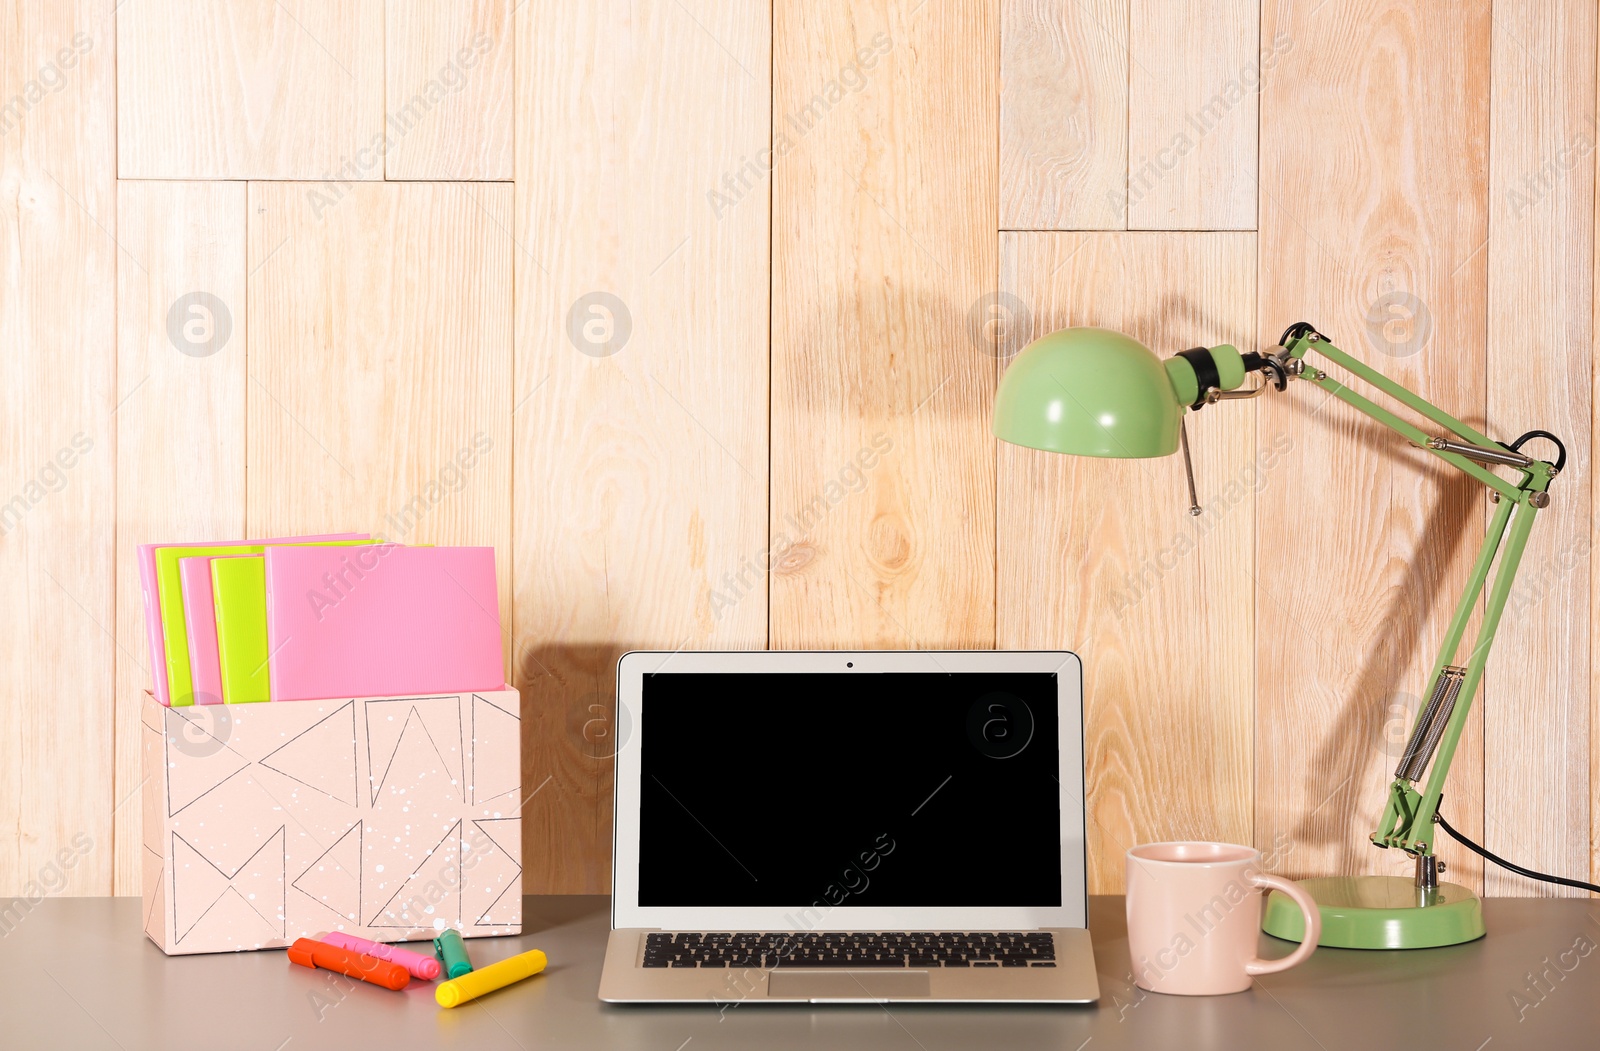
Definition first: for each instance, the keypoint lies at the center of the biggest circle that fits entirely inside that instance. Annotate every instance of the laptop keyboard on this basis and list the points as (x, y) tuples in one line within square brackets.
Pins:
[(836, 949)]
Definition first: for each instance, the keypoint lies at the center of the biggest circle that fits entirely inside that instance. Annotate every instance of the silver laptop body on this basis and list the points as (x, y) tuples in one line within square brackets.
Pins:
[(869, 826)]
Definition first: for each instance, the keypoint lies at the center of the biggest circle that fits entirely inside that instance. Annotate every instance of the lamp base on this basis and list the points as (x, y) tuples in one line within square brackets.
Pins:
[(1379, 912)]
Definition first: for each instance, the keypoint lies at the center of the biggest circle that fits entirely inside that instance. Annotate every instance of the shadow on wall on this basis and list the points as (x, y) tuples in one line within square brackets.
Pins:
[(569, 736), (1172, 323), (1186, 322), (1426, 595)]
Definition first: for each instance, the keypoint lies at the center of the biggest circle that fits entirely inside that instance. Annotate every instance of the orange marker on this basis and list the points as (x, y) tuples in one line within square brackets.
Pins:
[(308, 952)]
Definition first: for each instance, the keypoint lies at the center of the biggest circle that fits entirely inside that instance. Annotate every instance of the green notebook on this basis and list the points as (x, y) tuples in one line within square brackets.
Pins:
[(239, 589), (169, 593)]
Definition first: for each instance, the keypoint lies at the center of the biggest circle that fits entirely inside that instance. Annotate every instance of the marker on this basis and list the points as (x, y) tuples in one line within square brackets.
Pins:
[(419, 965), (488, 979), (308, 952), (452, 952)]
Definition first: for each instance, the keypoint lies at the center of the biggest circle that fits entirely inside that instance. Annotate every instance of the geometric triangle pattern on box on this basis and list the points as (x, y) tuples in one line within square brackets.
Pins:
[(491, 884), (234, 920), (387, 818), (495, 747), (200, 885), (322, 757), (154, 877), (415, 743), (431, 893), (334, 879), (154, 804), (504, 832), (206, 759), (196, 885)]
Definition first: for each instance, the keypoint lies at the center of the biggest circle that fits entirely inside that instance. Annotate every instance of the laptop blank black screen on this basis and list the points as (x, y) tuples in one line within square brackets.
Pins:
[(857, 790)]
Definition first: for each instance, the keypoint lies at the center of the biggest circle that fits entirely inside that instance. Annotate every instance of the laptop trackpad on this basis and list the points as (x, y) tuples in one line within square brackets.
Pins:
[(847, 985)]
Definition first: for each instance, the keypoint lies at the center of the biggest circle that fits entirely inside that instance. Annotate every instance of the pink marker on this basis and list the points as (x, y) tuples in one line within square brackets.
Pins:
[(419, 965)]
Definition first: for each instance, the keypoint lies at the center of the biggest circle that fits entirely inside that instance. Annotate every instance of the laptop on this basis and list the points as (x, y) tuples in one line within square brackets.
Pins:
[(849, 827)]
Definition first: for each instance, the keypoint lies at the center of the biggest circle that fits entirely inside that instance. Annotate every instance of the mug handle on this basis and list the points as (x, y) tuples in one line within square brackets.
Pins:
[(1308, 908)]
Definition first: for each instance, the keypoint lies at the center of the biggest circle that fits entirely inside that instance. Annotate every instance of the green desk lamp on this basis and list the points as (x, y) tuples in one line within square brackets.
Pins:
[(1094, 392)]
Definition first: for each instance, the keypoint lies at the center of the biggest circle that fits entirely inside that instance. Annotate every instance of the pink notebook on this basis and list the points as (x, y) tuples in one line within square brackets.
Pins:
[(385, 619), (200, 621), (152, 601)]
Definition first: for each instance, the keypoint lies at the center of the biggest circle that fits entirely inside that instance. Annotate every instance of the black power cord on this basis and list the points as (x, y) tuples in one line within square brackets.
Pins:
[(1503, 863)]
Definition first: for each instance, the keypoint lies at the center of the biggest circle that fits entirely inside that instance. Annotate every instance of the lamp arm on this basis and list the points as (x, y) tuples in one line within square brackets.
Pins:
[(1408, 816), (1465, 456)]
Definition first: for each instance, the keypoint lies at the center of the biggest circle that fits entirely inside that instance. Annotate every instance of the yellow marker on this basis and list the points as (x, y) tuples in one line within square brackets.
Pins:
[(487, 979)]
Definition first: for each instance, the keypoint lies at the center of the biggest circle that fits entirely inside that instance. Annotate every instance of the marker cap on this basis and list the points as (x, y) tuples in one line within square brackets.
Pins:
[(452, 952)]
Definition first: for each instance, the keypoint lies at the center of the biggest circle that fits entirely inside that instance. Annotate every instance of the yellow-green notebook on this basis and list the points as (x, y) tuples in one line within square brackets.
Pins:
[(239, 590)]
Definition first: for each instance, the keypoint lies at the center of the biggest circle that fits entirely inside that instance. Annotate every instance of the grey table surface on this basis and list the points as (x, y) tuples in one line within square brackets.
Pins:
[(77, 973)]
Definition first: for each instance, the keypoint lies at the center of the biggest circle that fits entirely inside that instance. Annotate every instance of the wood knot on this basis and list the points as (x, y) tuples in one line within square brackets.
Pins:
[(795, 558), (887, 543)]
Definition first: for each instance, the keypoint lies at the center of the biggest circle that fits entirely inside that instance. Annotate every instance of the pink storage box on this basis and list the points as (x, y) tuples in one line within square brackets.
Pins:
[(390, 818)]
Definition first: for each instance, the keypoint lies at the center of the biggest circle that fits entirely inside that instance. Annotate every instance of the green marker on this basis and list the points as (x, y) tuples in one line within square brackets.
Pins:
[(452, 954)]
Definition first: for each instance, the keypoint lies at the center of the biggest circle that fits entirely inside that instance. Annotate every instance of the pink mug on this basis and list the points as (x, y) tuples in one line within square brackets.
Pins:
[(1194, 913)]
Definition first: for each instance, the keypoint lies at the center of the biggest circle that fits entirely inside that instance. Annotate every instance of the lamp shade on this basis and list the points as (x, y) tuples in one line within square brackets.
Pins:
[(1088, 392)]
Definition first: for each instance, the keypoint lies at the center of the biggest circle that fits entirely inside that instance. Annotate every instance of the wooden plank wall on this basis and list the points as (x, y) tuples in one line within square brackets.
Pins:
[(695, 310), (1392, 269), (640, 426), (878, 254), (252, 89), (180, 437), (448, 90), (1539, 784), (59, 398), (1540, 312)]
